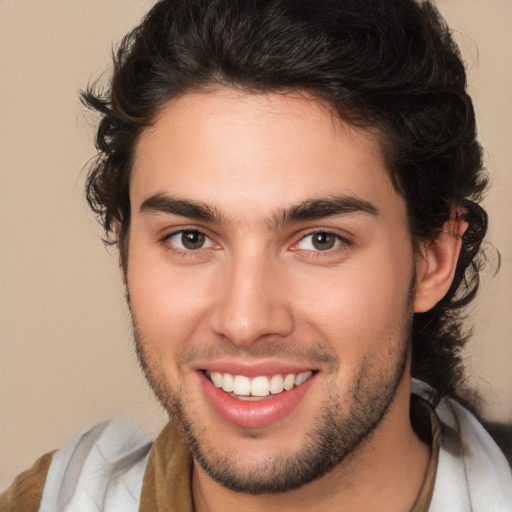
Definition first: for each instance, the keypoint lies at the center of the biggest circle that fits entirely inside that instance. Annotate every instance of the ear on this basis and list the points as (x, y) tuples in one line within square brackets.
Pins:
[(116, 228), (436, 264)]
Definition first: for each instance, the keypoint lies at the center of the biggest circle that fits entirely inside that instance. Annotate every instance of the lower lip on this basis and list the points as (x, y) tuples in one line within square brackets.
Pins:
[(253, 413)]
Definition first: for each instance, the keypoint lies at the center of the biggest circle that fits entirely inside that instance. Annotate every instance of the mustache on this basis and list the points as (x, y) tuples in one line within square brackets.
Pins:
[(289, 351)]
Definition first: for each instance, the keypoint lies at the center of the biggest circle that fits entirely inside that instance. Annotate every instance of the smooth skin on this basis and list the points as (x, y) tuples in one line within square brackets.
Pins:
[(247, 285)]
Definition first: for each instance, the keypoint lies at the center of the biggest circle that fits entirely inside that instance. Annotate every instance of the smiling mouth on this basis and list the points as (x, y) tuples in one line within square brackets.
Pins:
[(256, 388)]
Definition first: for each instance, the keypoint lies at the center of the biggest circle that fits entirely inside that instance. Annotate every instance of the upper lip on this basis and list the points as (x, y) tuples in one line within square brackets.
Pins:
[(253, 368)]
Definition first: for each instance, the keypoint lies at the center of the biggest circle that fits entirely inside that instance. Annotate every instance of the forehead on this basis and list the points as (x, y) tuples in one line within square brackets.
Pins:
[(245, 151)]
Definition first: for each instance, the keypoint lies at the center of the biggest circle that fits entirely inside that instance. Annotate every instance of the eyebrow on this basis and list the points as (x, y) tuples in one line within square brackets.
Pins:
[(312, 209), (315, 209), (160, 203)]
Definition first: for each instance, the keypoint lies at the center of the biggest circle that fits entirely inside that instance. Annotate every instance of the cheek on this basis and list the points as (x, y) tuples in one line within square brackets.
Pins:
[(358, 308), (169, 305)]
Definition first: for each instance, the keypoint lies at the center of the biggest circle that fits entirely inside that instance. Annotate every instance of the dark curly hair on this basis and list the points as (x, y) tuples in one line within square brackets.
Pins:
[(389, 64)]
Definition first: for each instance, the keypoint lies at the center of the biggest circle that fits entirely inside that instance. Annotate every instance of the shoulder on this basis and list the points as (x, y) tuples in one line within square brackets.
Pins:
[(471, 462), (101, 469), (472, 472), (27, 488), (98, 470)]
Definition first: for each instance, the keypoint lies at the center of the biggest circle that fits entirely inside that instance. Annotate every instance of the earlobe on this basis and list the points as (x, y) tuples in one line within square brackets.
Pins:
[(436, 264), (116, 229)]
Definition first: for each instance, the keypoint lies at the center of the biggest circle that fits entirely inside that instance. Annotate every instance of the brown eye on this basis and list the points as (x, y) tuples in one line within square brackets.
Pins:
[(189, 240), (192, 239), (323, 241), (319, 242)]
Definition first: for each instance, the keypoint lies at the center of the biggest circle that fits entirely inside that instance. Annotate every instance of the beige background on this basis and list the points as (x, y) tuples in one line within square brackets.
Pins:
[(66, 359)]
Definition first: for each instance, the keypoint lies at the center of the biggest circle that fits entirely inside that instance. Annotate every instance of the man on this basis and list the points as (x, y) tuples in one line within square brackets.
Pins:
[(293, 188)]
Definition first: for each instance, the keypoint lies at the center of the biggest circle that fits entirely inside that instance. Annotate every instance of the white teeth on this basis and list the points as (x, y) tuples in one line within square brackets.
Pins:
[(302, 377), (216, 379), (289, 381), (276, 384), (260, 386), (227, 382), (241, 385)]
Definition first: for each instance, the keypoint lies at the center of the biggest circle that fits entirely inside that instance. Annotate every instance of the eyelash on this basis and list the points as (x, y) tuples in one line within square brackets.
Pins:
[(341, 243), (184, 251)]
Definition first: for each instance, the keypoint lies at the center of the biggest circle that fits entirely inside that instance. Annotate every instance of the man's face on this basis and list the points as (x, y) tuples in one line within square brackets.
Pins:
[(270, 279)]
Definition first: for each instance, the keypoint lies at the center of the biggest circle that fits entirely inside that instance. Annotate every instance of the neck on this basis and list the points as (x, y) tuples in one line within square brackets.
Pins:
[(387, 467)]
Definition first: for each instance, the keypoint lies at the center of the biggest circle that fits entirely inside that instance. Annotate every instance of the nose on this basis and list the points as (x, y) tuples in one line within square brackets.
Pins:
[(252, 303)]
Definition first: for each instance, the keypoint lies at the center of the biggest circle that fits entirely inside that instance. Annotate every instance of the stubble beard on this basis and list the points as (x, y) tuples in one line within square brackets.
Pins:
[(341, 427)]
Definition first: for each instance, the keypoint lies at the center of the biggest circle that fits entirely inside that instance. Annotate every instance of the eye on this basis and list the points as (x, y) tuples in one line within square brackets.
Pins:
[(189, 240), (319, 241)]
